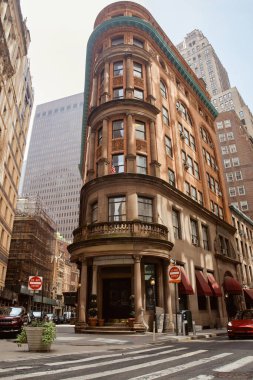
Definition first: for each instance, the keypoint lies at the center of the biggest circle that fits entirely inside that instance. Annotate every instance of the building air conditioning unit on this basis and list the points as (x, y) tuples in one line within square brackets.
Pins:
[(241, 233), (195, 241), (182, 135)]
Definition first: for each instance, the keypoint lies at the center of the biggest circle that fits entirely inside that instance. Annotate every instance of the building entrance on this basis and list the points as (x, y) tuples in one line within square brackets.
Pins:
[(116, 293)]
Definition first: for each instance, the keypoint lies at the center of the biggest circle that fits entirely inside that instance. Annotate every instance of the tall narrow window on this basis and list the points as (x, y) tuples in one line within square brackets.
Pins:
[(100, 134), (165, 115), (145, 209), (171, 176), (168, 146), (163, 90), (141, 164), (140, 130), (176, 224), (117, 129), (137, 70), (117, 209), (94, 212), (118, 68), (205, 237), (194, 232), (118, 163)]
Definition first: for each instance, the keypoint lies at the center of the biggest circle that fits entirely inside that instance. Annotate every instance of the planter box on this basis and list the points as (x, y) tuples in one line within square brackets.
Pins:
[(34, 339)]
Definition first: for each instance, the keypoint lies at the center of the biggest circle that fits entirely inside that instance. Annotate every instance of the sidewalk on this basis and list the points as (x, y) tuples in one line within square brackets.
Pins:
[(67, 343)]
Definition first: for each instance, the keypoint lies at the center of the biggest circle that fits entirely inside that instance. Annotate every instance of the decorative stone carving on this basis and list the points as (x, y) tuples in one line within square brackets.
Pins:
[(141, 145), (138, 82), (118, 81), (117, 144)]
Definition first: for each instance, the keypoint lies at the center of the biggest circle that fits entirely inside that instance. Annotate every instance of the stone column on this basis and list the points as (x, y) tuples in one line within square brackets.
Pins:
[(94, 93), (137, 292), (168, 320), (129, 77), (131, 145), (91, 158), (155, 166), (150, 96), (94, 279), (105, 95), (103, 162), (83, 295)]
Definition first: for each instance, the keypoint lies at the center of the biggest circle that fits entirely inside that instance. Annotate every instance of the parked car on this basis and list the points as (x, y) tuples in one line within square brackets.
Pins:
[(241, 325), (12, 318)]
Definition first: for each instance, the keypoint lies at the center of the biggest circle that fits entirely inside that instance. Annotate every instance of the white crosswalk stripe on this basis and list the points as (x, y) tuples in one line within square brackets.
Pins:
[(234, 365), (108, 356), (108, 362), (2, 370), (182, 367), (101, 364), (202, 377)]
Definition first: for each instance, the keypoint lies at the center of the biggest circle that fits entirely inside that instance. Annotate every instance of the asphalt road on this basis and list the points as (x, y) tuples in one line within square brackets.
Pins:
[(207, 359)]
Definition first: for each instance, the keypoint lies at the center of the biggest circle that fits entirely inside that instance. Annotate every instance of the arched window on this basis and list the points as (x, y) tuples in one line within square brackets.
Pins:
[(183, 112), (206, 137), (163, 89)]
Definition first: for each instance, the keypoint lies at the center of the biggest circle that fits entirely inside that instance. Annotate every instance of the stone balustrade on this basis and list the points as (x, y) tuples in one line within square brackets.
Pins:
[(121, 229)]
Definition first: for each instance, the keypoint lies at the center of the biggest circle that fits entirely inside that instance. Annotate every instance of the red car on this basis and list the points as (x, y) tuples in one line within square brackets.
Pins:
[(12, 319), (242, 325)]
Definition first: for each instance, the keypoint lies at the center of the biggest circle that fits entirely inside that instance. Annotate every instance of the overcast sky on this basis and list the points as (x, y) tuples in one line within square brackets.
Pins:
[(60, 30)]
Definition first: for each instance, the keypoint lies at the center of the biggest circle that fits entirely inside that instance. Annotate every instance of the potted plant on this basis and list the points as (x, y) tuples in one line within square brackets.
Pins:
[(39, 335), (131, 318), (93, 310)]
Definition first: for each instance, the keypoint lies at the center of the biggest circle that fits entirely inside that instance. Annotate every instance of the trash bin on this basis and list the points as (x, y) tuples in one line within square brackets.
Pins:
[(187, 316)]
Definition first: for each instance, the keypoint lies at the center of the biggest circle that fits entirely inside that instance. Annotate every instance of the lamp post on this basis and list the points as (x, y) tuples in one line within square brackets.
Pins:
[(152, 283)]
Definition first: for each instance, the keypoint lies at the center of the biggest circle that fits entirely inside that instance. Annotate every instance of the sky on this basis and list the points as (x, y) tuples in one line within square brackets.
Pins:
[(60, 30)]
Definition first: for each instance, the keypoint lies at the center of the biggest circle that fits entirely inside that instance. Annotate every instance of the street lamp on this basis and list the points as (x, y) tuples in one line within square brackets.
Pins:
[(152, 283)]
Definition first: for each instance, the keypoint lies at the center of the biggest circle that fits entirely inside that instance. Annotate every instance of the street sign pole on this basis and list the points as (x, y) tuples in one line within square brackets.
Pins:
[(176, 307)]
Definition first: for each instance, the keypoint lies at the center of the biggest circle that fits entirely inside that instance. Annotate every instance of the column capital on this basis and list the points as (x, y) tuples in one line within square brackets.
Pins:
[(137, 258), (83, 260)]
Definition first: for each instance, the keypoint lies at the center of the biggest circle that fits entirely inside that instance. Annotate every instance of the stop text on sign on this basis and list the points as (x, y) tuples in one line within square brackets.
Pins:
[(35, 283), (174, 274)]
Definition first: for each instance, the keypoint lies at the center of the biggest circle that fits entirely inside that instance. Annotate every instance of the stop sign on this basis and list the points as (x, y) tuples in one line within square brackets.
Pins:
[(35, 283), (174, 274)]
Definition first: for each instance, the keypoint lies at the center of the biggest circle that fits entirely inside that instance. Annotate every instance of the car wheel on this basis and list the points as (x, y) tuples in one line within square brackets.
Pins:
[(231, 338)]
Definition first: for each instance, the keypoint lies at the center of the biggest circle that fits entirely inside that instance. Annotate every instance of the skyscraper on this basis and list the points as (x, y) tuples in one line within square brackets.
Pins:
[(149, 198), (16, 100), (52, 164), (203, 60)]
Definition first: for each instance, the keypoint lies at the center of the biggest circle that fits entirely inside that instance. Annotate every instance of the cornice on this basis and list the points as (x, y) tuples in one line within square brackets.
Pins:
[(128, 21)]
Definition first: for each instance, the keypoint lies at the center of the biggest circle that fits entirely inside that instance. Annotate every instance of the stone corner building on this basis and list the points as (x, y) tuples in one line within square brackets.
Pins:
[(148, 194)]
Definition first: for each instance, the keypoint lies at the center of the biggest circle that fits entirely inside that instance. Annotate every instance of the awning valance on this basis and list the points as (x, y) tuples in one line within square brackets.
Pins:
[(214, 285), (203, 289), (184, 287), (249, 294), (232, 286)]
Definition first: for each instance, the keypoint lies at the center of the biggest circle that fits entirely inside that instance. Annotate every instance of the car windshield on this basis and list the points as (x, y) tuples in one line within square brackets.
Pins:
[(10, 311)]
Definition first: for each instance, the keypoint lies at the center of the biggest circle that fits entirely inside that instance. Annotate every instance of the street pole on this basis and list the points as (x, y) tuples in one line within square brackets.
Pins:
[(176, 308)]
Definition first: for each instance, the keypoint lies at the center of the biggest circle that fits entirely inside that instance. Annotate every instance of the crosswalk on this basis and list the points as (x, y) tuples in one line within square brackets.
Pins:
[(164, 361)]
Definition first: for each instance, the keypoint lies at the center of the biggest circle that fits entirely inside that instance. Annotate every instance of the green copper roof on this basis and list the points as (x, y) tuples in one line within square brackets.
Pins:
[(158, 39)]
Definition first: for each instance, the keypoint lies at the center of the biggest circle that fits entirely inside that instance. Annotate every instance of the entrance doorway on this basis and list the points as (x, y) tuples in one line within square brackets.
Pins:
[(116, 293)]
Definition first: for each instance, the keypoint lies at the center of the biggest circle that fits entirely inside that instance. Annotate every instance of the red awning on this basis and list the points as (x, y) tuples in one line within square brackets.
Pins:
[(249, 294), (214, 285), (231, 285), (184, 287), (203, 289)]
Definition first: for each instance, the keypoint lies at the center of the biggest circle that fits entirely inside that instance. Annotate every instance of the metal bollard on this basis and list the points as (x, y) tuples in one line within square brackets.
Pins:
[(154, 336), (194, 328)]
